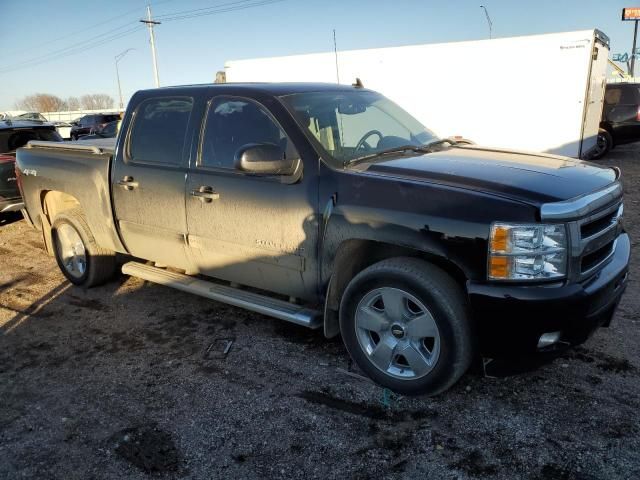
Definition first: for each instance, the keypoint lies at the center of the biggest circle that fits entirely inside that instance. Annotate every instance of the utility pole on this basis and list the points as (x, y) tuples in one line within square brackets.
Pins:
[(150, 23), (486, 14), (633, 51), (119, 57)]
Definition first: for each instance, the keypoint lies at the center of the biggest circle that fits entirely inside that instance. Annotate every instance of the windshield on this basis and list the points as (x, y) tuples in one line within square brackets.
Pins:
[(351, 125)]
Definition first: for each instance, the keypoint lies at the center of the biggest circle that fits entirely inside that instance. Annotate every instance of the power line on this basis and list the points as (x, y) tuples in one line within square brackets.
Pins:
[(68, 51), (202, 9), (90, 27), (183, 15), (122, 31)]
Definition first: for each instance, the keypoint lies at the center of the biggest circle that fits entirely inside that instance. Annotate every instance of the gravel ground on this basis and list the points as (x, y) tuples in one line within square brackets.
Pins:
[(129, 380)]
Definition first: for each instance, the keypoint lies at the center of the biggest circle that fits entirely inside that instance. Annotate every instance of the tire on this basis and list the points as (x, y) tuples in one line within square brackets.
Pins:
[(415, 290), (79, 257), (604, 144)]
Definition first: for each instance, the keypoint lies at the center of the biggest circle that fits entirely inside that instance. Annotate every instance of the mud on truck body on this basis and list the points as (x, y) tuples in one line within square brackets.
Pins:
[(331, 207)]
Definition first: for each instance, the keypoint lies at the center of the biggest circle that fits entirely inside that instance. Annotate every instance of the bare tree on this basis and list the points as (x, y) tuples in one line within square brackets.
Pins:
[(96, 101), (41, 102), (73, 103)]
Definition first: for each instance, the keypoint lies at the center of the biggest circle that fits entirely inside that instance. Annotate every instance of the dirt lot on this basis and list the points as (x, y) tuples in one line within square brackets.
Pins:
[(116, 382)]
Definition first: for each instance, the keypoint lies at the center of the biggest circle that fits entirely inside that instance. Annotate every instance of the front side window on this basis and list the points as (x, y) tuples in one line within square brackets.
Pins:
[(110, 129), (348, 125), (233, 123), (159, 130)]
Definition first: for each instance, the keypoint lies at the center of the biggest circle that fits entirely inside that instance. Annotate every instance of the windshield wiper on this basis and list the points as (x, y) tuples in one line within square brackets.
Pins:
[(428, 148)]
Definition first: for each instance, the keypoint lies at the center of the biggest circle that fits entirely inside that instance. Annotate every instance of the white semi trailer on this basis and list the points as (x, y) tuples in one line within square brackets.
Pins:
[(540, 93)]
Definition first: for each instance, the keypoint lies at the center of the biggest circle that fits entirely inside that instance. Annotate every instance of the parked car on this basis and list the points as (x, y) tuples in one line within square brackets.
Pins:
[(110, 130), (35, 116), (423, 254), (620, 122), (89, 123), (15, 134)]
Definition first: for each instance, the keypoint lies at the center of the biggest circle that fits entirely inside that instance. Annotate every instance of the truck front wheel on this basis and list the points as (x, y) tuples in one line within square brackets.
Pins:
[(79, 257), (405, 323)]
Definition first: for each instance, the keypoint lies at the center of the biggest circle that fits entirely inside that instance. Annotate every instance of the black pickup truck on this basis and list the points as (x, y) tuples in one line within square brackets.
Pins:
[(331, 207)]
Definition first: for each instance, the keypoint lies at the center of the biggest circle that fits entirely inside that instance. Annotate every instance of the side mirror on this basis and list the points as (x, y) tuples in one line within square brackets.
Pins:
[(265, 159)]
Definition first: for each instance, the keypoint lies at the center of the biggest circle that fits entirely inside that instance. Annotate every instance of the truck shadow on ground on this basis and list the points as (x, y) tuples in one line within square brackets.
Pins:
[(9, 218)]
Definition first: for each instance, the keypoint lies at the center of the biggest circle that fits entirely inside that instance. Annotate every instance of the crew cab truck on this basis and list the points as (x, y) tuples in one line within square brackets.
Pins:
[(331, 207)]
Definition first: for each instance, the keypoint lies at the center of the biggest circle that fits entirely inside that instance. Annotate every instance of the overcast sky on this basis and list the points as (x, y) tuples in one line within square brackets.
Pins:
[(34, 57)]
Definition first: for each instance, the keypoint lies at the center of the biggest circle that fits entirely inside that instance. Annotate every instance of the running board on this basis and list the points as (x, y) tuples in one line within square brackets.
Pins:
[(239, 298)]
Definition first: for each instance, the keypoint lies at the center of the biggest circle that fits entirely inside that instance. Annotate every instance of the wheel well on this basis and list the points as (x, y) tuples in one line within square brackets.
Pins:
[(53, 202), (606, 126), (356, 255)]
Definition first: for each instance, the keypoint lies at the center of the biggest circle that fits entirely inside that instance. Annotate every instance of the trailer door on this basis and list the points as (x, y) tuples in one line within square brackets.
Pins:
[(594, 99)]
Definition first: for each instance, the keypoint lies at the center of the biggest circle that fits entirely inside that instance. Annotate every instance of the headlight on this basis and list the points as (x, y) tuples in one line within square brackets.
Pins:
[(527, 252)]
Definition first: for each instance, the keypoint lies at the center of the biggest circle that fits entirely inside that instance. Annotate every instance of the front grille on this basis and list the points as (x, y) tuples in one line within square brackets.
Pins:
[(593, 224), (597, 237), (593, 259), (594, 227)]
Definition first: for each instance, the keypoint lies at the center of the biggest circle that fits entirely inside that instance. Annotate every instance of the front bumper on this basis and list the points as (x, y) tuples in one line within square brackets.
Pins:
[(11, 205), (510, 319)]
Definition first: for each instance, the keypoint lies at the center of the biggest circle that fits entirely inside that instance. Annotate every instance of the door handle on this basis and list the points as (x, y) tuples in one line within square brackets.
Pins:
[(127, 183), (205, 194)]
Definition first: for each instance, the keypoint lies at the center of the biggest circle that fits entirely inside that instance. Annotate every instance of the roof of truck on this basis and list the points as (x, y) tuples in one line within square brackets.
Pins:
[(275, 89), (12, 123)]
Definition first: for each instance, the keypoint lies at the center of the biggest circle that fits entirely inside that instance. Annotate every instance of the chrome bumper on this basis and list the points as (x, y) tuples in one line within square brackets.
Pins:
[(12, 206)]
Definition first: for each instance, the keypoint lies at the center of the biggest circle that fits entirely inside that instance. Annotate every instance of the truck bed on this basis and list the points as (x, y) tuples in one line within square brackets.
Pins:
[(79, 169)]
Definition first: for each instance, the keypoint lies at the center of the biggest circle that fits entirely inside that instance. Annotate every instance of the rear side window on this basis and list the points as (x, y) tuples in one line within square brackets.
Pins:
[(10, 140), (107, 118), (622, 95), (233, 123), (159, 130)]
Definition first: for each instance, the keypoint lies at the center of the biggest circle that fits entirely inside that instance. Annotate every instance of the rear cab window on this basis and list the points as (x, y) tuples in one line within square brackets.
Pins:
[(158, 131)]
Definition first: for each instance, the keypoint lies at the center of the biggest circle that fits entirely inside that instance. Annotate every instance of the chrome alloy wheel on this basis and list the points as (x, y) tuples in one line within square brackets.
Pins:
[(71, 250), (398, 333)]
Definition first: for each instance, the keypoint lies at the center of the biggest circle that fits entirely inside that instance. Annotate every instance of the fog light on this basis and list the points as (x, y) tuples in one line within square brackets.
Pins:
[(548, 339)]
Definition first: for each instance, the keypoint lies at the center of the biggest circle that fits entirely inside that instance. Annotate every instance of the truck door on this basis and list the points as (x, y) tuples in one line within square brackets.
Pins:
[(251, 229), (148, 180)]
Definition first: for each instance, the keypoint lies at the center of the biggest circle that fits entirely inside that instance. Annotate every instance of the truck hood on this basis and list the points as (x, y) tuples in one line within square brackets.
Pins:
[(530, 177)]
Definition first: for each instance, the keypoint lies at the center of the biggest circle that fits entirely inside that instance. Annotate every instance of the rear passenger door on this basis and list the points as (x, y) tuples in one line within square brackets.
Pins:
[(148, 180), (256, 230)]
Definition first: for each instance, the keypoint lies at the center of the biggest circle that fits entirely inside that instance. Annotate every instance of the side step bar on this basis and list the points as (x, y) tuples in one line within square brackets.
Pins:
[(239, 298)]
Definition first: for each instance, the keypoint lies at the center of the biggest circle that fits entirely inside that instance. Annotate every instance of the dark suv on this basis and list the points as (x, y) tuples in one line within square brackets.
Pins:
[(89, 123), (13, 135), (620, 122)]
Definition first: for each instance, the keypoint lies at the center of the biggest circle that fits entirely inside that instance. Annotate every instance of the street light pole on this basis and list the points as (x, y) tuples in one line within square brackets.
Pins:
[(150, 23), (119, 57), (486, 14)]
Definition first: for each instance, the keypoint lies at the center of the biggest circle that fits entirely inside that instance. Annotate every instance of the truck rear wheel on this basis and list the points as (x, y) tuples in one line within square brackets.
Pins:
[(79, 257), (405, 323)]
